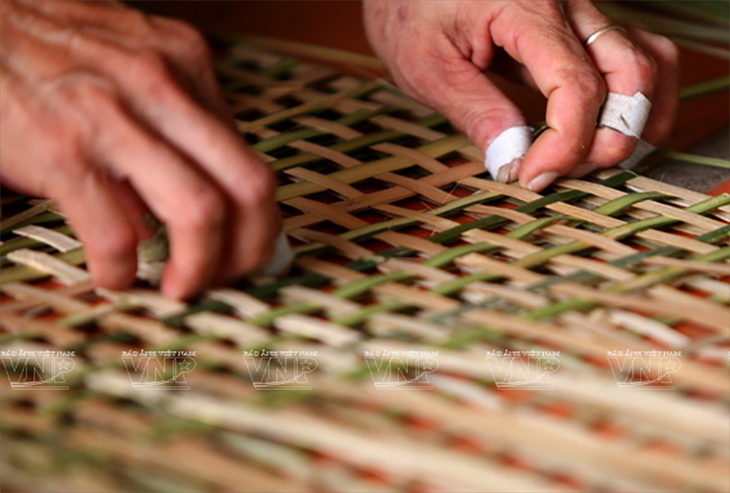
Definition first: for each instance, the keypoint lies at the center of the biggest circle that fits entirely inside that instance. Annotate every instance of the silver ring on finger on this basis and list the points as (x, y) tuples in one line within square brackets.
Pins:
[(605, 29)]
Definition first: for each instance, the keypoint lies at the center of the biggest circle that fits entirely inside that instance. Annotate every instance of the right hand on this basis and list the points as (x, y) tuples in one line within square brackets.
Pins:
[(442, 52), (113, 113)]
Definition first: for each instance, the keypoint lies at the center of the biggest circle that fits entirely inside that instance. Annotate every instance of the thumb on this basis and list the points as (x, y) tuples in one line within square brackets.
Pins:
[(472, 102)]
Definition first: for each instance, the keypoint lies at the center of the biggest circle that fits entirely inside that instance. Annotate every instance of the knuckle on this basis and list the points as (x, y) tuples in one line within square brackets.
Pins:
[(150, 64), (150, 70), (185, 31), (190, 40), (138, 19), (667, 49), (591, 86), (644, 66), (101, 103), (79, 102), (587, 85), (81, 89)]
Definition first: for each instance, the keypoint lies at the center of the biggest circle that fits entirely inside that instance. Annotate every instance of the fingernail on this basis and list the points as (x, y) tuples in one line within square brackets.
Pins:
[(584, 169), (542, 181), (515, 171), (508, 172)]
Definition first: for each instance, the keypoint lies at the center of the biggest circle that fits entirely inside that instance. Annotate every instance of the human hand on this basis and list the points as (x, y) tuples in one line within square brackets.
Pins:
[(111, 113), (439, 51)]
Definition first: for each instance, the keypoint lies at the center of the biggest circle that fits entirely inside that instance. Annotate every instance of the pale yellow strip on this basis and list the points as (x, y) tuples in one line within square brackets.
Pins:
[(65, 273), (59, 241)]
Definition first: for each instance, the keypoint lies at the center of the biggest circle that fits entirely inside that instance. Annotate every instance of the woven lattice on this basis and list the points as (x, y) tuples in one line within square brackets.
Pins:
[(406, 252)]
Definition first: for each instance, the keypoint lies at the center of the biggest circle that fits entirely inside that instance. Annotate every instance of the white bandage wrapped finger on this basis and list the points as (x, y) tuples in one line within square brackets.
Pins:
[(628, 115), (625, 114), (505, 150), (282, 258)]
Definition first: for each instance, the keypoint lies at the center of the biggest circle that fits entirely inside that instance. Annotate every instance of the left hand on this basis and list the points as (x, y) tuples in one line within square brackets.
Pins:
[(439, 52), (112, 113)]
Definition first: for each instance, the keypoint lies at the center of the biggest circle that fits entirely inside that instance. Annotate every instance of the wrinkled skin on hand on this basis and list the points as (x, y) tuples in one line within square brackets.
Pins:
[(113, 113), (442, 52)]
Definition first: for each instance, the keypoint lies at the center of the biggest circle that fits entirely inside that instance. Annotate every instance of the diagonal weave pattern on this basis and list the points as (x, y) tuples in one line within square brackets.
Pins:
[(403, 244)]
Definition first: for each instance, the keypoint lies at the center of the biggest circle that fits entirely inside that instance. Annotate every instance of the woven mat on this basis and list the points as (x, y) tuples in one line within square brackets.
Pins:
[(438, 332)]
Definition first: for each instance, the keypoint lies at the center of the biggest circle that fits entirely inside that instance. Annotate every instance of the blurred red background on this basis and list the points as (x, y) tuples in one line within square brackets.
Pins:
[(338, 24)]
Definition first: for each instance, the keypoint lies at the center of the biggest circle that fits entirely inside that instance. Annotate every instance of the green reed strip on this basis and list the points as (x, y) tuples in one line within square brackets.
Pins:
[(455, 285), (285, 138), (364, 171), (309, 106), (458, 205), (649, 279), (706, 87), (695, 159), (354, 144)]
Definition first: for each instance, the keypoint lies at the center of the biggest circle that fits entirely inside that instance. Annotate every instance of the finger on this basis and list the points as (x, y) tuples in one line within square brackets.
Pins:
[(470, 100), (209, 145), (182, 198), (132, 205), (254, 223), (110, 242), (234, 259), (666, 94), (222, 156), (625, 67), (545, 43)]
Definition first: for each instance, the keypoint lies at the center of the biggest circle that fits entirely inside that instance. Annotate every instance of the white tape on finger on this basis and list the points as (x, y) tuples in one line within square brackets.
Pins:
[(625, 114), (508, 146), (282, 258)]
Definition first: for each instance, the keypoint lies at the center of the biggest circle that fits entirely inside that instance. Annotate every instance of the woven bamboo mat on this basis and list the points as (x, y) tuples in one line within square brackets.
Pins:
[(438, 332)]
